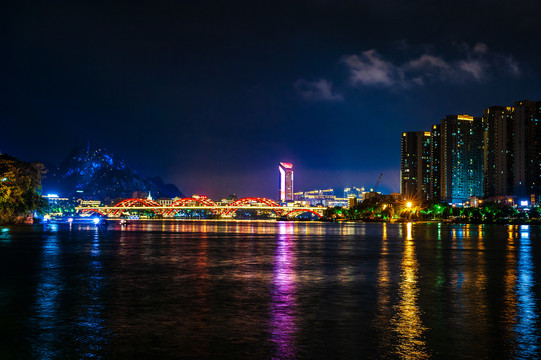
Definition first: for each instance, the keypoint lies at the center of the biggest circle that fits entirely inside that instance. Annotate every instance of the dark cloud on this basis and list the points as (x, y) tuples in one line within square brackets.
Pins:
[(371, 69)]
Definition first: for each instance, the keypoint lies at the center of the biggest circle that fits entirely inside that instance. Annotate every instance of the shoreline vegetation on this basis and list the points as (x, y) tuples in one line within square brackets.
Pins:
[(376, 210), (20, 190)]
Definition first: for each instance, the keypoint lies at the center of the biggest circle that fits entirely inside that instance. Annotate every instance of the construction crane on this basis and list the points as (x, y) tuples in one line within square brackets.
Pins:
[(377, 183)]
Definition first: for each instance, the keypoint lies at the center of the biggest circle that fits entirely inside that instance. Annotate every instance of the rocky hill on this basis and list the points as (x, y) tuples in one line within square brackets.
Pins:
[(100, 174)]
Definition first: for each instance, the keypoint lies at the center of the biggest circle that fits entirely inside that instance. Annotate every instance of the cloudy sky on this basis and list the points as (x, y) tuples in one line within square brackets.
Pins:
[(211, 95)]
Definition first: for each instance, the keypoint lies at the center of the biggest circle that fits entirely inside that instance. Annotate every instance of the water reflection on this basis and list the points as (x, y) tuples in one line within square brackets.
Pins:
[(408, 325), (47, 307), (90, 334), (477, 287), (4, 234), (283, 320), (526, 327), (384, 311), (510, 311), (243, 227), (283, 289)]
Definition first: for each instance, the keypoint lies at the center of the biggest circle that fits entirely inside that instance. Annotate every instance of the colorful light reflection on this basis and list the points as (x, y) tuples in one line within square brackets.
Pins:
[(283, 323)]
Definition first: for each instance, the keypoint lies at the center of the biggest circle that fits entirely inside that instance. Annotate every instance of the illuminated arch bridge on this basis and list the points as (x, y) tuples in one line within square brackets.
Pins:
[(200, 203)]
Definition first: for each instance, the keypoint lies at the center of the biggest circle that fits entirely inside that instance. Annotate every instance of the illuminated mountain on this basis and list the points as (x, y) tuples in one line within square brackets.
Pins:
[(100, 174)]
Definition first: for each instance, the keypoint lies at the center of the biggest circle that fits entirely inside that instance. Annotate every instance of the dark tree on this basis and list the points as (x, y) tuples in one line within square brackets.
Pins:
[(20, 185)]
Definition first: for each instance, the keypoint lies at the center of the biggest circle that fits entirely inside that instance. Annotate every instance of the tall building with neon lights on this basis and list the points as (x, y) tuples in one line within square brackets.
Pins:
[(286, 181), (461, 158)]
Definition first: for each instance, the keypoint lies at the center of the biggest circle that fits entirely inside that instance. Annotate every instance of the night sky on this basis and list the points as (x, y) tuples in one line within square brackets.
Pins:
[(212, 95)]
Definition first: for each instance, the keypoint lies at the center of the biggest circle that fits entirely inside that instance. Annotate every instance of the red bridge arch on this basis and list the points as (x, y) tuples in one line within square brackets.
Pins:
[(135, 202), (92, 210), (248, 200), (181, 202), (300, 211)]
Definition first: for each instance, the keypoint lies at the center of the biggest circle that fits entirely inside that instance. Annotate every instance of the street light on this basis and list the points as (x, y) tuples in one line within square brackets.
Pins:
[(408, 204)]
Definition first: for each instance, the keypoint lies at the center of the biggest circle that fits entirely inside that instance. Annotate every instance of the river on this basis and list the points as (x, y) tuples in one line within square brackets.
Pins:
[(270, 290)]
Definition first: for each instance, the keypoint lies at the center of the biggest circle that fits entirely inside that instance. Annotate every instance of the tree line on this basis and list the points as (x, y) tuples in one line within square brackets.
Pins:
[(487, 212), (20, 190)]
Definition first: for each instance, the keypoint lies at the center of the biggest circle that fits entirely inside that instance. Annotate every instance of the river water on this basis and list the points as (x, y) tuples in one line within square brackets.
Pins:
[(263, 290)]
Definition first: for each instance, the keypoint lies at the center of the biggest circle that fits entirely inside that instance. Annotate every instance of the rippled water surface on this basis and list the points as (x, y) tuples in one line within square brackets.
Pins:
[(264, 290)]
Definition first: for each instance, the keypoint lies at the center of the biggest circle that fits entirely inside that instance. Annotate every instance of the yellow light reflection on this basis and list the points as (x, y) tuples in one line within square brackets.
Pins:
[(408, 231), (384, 308), (509, 283), (408, 325)]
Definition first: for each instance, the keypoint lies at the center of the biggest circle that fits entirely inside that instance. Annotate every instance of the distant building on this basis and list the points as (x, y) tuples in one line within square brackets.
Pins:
[(354, 191), (339, 202), (352, 201), (318, 197), (372, 195), (298, 196), (394, 197), (92, 203), (415, 164), (54, 199), (165, 201), (286, 181)]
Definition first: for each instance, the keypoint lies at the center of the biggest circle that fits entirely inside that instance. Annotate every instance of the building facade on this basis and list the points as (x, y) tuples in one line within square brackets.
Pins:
[(435, 162), (415, 165), (354, 191), (527, 150), (498, 151), (496, 156), (286, 181), (461, 158)]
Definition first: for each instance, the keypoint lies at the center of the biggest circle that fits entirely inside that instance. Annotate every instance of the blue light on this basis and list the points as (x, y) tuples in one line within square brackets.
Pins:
[(96, 221), (5, 230)]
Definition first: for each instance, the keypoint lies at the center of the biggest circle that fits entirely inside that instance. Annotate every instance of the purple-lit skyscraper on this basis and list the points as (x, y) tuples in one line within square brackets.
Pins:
[(286, 181)]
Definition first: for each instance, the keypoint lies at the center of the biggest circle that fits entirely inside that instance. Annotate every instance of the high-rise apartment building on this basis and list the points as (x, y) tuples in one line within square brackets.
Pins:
[(286, 181), (461, 158), (493, 156), (527, 150), (435, 162), (415, 165), (498, 152)]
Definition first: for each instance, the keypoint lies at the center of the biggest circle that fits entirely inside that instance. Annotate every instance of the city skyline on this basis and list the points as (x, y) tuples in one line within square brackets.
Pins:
[(210, 96), (496, 156)]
